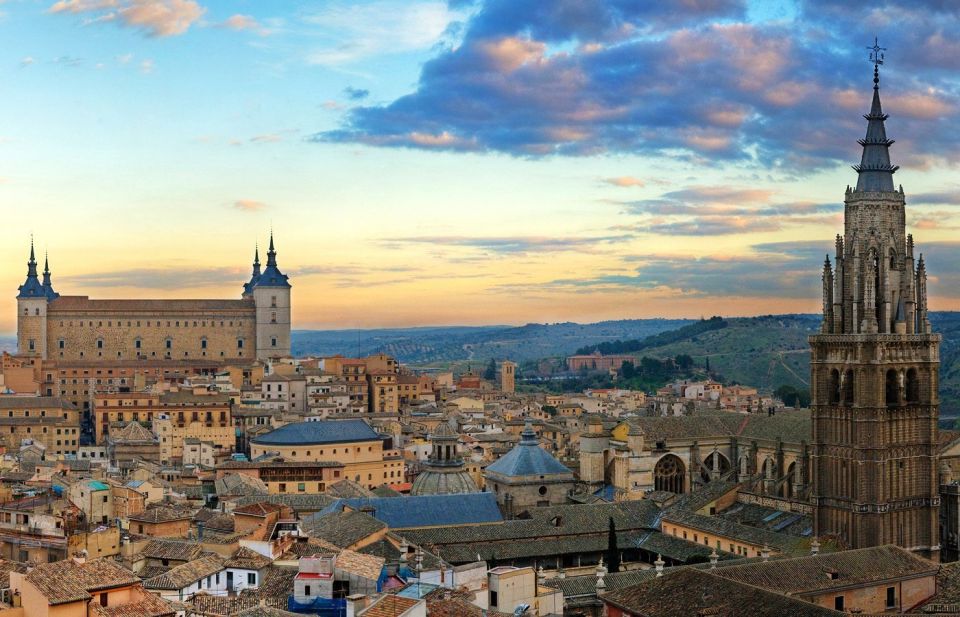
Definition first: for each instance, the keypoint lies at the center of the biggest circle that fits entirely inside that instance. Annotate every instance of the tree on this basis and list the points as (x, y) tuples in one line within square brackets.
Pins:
[(706, 364), (628, 370), (490, 374), (613, 553)]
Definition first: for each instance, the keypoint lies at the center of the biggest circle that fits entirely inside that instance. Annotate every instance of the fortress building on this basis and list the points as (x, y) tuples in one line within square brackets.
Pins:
[(77, 329), (874, 368)]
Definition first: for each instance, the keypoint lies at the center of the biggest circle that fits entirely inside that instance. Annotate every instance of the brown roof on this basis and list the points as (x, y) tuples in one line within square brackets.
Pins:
[(149, 605), (161, 548), (86, 305), (186, 574), (246, 559), (261, 508), (390, 606), (455, 603), (68, 581), (826, 571), (367, 566), (689, 592), (161, 514)]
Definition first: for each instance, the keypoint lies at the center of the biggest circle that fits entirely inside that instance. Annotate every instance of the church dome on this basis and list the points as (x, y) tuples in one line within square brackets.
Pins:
[(444, 473)]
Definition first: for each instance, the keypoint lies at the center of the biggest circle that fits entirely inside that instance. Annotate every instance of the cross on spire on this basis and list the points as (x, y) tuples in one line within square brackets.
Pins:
[(876, 56)]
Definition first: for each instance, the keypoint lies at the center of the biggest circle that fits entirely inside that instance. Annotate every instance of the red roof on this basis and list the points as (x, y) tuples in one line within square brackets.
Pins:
[(313, 575)]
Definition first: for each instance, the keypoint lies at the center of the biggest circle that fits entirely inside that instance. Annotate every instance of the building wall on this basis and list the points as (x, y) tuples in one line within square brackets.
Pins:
[(55, 424), (736, 546), (873, 600), (112, 335)]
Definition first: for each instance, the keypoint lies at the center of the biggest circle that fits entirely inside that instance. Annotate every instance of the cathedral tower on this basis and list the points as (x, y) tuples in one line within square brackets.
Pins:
[(874, 369)]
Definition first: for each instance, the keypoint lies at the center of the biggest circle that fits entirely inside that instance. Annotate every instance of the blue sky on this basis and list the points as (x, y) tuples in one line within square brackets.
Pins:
[(426, 162)]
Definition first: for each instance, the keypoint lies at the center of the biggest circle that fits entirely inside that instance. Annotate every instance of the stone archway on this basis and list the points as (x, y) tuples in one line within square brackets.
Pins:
[(714, 458), (669, 474)]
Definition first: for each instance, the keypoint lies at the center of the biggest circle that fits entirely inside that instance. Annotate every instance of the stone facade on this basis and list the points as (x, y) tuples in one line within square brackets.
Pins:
[(76, 328), (874, 372), (50, 421)]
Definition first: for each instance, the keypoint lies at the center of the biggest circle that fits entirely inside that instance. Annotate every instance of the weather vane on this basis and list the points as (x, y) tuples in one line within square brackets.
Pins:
[(876, 56), (876, 52)]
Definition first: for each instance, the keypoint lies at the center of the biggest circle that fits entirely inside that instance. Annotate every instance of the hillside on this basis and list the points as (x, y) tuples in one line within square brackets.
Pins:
[(772, 350), (444, 345)]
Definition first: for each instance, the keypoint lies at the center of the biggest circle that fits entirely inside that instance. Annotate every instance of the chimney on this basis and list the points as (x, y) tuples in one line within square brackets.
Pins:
[(356, 603)]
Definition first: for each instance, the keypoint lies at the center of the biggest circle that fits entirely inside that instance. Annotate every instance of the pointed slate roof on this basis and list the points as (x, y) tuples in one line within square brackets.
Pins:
[(32, 288), (271, 276), (47, 284), (875, 173), (527, 458)]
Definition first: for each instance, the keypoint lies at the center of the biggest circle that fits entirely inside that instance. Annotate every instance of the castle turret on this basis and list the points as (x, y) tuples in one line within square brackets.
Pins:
[(47, 284), (255, 276), (32, 312), (271, 296)]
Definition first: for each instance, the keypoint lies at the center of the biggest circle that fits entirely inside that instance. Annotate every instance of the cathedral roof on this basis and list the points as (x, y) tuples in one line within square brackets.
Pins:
[(875, 173)]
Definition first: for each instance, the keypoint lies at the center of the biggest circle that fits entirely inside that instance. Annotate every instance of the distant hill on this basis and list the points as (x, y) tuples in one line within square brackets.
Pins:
[(770, 351), (458, 344)]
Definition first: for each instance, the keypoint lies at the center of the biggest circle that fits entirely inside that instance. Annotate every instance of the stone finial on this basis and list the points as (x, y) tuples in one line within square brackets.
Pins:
[(815, 547), (658, 564), (765, 553), (714, 557), (540, 575)]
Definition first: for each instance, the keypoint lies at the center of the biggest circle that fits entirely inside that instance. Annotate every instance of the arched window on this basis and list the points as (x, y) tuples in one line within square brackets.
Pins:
[(668, 474), (714, 459), (891, 389), (913, 386), (848, 387), (834, 386)]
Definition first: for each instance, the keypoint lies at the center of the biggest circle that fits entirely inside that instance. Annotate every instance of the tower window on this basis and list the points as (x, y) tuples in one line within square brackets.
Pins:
[(169, 343), (61, 343), (239, 343), (137, 343), (273, 342), (99, 343), (32, 344), (36, 311), (273, 301), (203, 343)]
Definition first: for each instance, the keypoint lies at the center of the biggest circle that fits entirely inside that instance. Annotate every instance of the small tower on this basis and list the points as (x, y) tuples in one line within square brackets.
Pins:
[(255, 276), (271, 296), (508, 372), (32, 312)]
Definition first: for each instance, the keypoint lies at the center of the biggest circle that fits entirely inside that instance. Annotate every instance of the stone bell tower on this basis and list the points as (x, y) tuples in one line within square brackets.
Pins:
[(874, 369)]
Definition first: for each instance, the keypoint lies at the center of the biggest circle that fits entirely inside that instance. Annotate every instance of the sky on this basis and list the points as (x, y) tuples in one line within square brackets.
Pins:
[(424, 162)]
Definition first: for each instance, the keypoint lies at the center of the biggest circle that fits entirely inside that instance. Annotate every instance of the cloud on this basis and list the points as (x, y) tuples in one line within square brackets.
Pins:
[(249, 205), (533, 79), (514, 244), (156, 18), (172, 278), (241, 23), (717, 210), (266, 138), (27, 61), (359, 31), (625, 181), (147, 66), (355, 94)]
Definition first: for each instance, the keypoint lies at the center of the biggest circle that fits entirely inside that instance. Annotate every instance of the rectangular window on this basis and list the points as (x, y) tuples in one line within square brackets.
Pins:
[(61, 343), (838, 603), (891, 597), (306, 590), (251, 578)]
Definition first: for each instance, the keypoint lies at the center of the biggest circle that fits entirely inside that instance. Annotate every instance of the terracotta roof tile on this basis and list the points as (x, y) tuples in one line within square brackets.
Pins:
[(390, 606), (68, 581)]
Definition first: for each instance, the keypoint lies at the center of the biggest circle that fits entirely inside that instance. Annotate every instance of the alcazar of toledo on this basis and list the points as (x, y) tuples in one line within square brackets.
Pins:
[(75, 344), (76, 328)]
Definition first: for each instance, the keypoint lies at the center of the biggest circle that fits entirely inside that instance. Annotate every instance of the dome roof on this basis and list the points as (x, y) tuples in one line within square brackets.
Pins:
[(324, 431), (527, 459), (443, 482)]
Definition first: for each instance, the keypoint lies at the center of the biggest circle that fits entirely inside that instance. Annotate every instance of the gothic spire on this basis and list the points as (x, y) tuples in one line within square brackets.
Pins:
[(256, 260), (875, 173), (47, 284), (271, 253), (31, 288)]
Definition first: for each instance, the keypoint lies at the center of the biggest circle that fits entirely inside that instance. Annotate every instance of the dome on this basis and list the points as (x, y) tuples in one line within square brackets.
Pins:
[(434, 481), (527, 458)]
